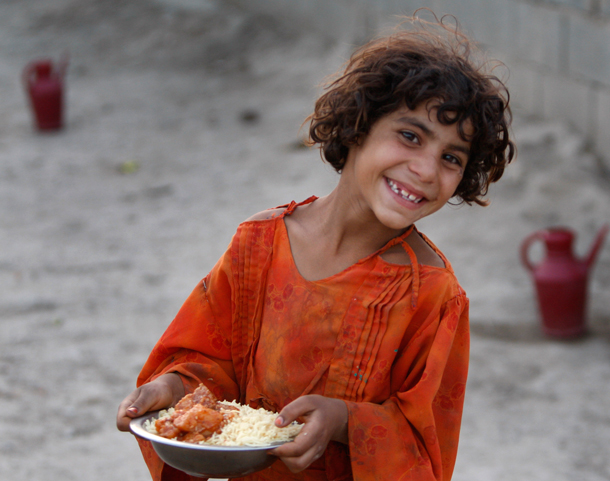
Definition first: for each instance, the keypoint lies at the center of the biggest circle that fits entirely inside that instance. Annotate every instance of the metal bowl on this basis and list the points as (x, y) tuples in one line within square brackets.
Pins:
[(205, 461)]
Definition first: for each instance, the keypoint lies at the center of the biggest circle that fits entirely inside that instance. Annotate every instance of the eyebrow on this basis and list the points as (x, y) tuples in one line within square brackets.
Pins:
[(430, 133)]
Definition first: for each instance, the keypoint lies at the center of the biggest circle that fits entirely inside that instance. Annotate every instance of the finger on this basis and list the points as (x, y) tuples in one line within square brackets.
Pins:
[(125, 412), (300, 457), (144, 399), (150, 397), (291, 412), (298, 447), (142, 403), (122, 423), (303, 462)]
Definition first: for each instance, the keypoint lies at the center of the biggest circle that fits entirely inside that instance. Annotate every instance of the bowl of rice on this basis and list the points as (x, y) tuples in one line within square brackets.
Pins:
[(240, 448)]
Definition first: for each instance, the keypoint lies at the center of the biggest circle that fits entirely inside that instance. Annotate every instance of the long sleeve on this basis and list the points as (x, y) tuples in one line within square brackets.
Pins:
[(413, 435), (197, 344)]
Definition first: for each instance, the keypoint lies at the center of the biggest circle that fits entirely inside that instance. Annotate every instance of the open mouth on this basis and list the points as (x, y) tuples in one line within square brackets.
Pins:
[(403, 193)]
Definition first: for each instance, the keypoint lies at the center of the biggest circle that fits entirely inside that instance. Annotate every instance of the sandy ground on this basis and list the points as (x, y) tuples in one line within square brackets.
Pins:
[(183, 121)]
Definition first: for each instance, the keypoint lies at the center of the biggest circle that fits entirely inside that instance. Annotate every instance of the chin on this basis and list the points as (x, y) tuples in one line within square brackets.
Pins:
[(396, 223)]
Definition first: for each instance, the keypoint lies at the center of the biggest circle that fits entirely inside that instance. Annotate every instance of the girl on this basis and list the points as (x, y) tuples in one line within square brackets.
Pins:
[(337, 310)]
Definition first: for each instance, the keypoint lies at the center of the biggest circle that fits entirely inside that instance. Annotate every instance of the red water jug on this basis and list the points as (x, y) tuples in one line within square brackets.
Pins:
[(44, 84), (561, 280)]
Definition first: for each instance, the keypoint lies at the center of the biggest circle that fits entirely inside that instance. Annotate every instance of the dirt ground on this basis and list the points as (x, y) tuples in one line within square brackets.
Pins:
[(182, 120)]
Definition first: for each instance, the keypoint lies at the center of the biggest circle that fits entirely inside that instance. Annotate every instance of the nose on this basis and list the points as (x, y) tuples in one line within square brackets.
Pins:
[(423, 165)]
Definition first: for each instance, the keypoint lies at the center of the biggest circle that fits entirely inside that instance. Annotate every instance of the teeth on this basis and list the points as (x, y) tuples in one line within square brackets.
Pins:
[(404, 194)]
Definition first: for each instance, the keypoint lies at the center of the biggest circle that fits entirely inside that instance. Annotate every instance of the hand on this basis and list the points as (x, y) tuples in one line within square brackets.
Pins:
[(163, 392), (325, 420)]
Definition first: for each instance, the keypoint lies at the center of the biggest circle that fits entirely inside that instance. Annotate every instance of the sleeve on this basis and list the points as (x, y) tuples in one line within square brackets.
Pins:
[(197, 344), (419, 423)]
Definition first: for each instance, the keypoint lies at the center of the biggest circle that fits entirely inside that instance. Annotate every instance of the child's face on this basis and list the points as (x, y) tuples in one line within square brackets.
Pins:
[(408, 166)]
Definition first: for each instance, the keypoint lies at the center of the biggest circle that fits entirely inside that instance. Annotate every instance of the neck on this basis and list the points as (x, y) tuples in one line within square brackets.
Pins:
[(331, 234), (347, 225)]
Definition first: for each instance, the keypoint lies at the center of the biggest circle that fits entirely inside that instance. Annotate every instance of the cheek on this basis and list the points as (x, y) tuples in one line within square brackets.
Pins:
[(451, 183), (366, 168), (458, 182)]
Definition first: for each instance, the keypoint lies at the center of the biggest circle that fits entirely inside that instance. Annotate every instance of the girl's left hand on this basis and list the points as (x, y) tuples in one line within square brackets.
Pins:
[(325, 420)]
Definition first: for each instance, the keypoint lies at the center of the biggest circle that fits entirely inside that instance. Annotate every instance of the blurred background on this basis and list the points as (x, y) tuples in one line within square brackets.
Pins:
[(182, 118)]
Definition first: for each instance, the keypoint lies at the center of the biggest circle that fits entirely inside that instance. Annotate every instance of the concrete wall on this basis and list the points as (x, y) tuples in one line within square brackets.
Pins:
[(557, 51)]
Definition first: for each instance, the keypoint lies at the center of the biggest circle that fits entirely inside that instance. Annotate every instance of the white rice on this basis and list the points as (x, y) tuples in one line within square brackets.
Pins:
[(149, 424), (249, 427)]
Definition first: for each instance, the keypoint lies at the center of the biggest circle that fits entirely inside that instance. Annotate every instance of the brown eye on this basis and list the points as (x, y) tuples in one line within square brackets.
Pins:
[(410, 136), (452, 159)]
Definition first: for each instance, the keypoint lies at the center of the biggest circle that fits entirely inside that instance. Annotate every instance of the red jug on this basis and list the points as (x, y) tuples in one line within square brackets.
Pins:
[(561, 280), (44, 85)]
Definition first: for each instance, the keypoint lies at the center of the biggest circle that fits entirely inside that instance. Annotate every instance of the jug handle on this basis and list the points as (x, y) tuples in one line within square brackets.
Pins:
[(529, 240), (27, 73), (599, 240)]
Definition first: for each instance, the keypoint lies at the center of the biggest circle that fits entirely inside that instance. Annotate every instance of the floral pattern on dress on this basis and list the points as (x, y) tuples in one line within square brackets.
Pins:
[(392, 341)]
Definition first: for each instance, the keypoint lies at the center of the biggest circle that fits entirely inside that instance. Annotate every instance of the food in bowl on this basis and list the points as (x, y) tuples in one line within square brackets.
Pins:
[(199, 418)]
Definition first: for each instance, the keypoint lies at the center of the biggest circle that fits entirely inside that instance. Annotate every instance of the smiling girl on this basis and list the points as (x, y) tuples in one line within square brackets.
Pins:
[(337, 310)]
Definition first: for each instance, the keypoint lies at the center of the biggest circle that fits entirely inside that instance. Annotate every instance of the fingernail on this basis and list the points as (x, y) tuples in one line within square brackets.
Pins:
[(279, 421), (132, 410)]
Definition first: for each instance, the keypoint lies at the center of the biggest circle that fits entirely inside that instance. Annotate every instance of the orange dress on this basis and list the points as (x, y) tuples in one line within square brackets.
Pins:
[(391, 340)]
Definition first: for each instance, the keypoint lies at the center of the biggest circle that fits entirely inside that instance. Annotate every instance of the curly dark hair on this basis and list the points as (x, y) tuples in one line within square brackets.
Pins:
[(409, 68)]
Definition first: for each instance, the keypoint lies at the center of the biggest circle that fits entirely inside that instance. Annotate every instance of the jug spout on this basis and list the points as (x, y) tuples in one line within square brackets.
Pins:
[(599, 240)]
